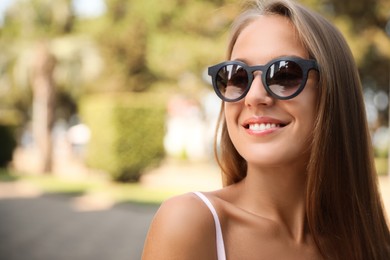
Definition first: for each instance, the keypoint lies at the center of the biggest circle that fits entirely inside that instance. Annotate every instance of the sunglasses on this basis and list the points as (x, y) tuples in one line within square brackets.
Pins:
[(283, 78)]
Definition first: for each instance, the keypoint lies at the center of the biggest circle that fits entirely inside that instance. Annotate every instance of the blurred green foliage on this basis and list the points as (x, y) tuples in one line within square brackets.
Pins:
[(7, 144), (381, 165), (381, 152), (127, 133)]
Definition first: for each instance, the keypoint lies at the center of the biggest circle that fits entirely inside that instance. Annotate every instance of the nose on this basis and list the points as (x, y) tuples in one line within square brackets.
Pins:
[(257, 94)]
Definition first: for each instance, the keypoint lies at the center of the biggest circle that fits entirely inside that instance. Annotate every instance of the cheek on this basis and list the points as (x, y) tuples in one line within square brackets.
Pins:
[(232, 111), (306, 114), (306, 107)]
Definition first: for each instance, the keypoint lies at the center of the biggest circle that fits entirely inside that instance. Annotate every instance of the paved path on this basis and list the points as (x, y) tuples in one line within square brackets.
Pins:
[(49, 228)]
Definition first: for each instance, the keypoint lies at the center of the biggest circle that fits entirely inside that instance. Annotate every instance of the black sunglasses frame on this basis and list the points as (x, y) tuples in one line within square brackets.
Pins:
[(305, 65)]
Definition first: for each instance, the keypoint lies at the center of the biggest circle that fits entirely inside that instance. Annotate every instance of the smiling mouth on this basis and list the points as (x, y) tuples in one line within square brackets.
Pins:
[(263, 126)]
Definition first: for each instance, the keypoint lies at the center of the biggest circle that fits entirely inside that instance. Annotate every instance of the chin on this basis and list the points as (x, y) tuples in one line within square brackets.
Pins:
[(270, 160)]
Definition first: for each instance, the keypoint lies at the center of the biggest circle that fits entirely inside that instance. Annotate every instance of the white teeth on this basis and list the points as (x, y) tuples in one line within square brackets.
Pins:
[(261, 127)]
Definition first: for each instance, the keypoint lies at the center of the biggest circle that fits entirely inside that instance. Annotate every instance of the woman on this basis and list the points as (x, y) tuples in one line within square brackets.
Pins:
[(299, 177)]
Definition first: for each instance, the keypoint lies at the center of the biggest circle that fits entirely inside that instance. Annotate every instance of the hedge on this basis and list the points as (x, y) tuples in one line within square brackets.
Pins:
[(127, 132)]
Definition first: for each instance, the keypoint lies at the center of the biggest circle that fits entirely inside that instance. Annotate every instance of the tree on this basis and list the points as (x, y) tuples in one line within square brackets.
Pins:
[(43, 103), (363, 23), (33, 23)]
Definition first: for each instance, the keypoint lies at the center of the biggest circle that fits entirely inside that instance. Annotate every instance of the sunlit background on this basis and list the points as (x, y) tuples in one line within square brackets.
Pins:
[(108, 101)]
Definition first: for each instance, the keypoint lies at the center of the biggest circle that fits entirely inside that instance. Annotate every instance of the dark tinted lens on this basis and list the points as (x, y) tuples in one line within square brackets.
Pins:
[(284, 78), (232, 81)]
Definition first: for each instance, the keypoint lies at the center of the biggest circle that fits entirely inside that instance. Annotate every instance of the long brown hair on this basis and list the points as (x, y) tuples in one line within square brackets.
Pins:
[(343, 206)]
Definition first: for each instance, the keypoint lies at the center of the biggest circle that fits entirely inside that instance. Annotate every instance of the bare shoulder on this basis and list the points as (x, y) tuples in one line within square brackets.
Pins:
[(183, 228)]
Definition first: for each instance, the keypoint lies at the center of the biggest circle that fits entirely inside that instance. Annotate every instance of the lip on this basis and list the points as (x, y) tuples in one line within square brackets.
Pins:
[(263, 125)]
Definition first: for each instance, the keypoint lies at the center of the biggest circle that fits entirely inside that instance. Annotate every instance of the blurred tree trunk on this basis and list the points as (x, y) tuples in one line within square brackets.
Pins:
[(43, 104)]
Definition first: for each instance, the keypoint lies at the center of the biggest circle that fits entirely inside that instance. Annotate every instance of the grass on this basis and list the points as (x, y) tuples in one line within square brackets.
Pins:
[(119, 192), (53, 184), (6, 176), (140, 194), (381, 166)]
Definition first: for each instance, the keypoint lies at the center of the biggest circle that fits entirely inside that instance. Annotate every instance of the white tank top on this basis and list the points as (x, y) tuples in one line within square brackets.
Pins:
[(219, 238)]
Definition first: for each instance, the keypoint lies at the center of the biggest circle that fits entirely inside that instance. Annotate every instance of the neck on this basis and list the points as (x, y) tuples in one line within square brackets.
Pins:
[(277, 194)]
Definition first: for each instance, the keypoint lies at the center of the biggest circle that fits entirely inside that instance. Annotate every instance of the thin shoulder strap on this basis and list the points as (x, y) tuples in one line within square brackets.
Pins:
[(219, 238)]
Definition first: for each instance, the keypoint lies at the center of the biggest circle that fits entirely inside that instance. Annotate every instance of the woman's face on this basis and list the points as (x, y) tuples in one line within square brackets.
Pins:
[(268, 132)]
